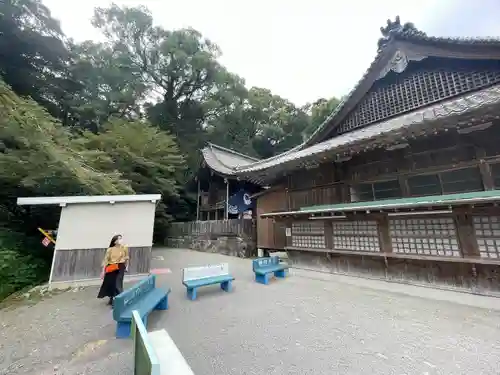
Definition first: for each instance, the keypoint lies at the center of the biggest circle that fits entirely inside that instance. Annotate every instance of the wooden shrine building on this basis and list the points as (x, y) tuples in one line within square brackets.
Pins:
[(402, 181), (217, 183)]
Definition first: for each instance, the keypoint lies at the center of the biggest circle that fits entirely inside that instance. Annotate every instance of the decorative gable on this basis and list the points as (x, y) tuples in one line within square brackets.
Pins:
[(410, 82)]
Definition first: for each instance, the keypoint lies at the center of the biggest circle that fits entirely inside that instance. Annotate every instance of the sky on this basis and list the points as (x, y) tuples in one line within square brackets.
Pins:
[(302, 50)]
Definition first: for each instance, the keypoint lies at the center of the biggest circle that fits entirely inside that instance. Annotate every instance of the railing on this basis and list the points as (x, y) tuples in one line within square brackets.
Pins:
[(233, 227)]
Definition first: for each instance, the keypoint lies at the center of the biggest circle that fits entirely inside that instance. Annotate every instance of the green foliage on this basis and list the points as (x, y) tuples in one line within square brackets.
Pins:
[(17, 269), (145, 156), (127, 115)]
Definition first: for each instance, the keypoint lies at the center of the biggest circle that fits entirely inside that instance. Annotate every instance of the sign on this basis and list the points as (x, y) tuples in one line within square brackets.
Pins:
[(46, 242), (240, 202), (288, 232), (48, 236)]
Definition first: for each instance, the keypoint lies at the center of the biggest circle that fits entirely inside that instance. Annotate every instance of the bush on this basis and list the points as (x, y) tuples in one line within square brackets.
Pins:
[(18, 270)]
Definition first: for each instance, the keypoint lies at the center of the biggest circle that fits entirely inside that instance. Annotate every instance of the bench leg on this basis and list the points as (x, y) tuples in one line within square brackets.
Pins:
[(191, 294), (226, 286), (123, 329), (163, 304), (280, 273), (262, 279)]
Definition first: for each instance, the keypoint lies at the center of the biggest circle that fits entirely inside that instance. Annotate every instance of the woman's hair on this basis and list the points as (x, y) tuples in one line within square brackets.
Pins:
[(114, 239)]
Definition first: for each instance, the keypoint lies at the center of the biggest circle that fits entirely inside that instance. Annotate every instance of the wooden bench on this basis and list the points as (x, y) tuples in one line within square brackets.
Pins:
[(264, 267), (155, 353), (195, 277), (143, 297)]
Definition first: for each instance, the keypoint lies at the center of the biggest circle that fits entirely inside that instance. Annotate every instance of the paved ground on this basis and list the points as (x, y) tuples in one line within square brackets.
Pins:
[(306, 324)]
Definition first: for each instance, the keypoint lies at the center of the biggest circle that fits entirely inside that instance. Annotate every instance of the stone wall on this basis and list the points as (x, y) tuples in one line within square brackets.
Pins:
[(228, 245), (468, 277)]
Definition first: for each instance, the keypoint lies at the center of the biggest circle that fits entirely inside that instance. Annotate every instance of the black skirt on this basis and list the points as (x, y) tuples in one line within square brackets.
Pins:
[(112, 284)]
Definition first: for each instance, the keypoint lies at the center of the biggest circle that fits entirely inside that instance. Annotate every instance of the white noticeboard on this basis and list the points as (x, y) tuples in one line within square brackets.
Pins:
[(288, 232)]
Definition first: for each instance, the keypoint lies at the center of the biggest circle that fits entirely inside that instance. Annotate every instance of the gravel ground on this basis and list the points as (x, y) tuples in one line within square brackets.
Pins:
[(300, 325)]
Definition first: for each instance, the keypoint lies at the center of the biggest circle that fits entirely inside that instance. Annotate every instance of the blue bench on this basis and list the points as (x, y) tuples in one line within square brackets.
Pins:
[(143, 297), (195, 277), (155, 353), (264, 267)]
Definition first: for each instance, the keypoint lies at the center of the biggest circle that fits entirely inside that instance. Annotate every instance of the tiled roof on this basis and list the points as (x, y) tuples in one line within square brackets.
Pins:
[(309, 147), (341, 143), (404, 37), (224, 160)]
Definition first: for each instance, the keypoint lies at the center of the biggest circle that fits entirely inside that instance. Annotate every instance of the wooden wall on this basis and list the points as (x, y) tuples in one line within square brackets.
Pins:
[(450, 161), (270, 234), (85, 264)]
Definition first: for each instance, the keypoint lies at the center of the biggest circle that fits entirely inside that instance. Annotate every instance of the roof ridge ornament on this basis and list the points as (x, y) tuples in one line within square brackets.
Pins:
[(396, 28), (399, 62)]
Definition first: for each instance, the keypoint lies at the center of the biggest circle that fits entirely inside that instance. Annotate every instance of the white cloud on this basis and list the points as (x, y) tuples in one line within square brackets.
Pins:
[(300, 50)]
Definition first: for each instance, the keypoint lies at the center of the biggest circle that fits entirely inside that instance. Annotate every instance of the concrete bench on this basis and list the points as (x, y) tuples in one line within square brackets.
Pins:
[(155, 353), (143, 297), (264, 267), (195, 277)]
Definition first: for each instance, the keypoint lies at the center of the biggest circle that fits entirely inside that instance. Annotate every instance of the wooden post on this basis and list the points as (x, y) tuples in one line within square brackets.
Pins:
[(384, 234), (465, 232), (198, 201), (328, 234), (485, 170), (227, 198)]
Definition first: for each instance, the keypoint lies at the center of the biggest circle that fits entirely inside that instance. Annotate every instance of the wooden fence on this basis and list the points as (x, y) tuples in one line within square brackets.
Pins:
[(234, 227), (236, 237)]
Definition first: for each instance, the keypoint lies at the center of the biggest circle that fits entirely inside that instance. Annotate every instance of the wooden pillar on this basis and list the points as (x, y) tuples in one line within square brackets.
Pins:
[(484, 168), (227, 198), (288, 231), (198, 201), (384, 235), (328, 234), (465, 232)]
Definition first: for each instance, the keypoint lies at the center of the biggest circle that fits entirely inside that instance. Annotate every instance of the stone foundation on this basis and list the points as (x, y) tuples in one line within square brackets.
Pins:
[(468, 277), (234, 246)]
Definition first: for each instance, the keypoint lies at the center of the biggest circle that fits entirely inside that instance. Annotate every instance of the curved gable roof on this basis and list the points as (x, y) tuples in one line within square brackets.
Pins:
[(225, 161)]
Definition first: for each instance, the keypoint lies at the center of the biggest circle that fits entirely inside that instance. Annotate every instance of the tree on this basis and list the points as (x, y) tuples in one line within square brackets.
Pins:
[(180, 69), (107, 88), (146, 157), (33, 56), (38, 156), (261, 124), (318, 112)]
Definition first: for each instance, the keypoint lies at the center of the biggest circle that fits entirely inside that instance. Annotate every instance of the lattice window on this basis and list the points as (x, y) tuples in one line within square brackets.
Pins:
[(374, 191), (356, 236), (419, 89), (308, 227), (487, 230), (311, 242), (436, 237)]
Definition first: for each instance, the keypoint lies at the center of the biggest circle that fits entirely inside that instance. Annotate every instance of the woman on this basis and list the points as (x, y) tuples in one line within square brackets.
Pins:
[(114, 266)]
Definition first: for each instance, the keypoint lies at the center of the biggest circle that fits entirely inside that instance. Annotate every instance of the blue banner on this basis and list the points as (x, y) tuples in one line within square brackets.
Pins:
[(240, 202)]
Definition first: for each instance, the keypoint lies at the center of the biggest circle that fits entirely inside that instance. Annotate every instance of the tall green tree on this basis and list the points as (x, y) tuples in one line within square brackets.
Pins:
[(107, 88), (147, 157), (179, 67), (33, 55)]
